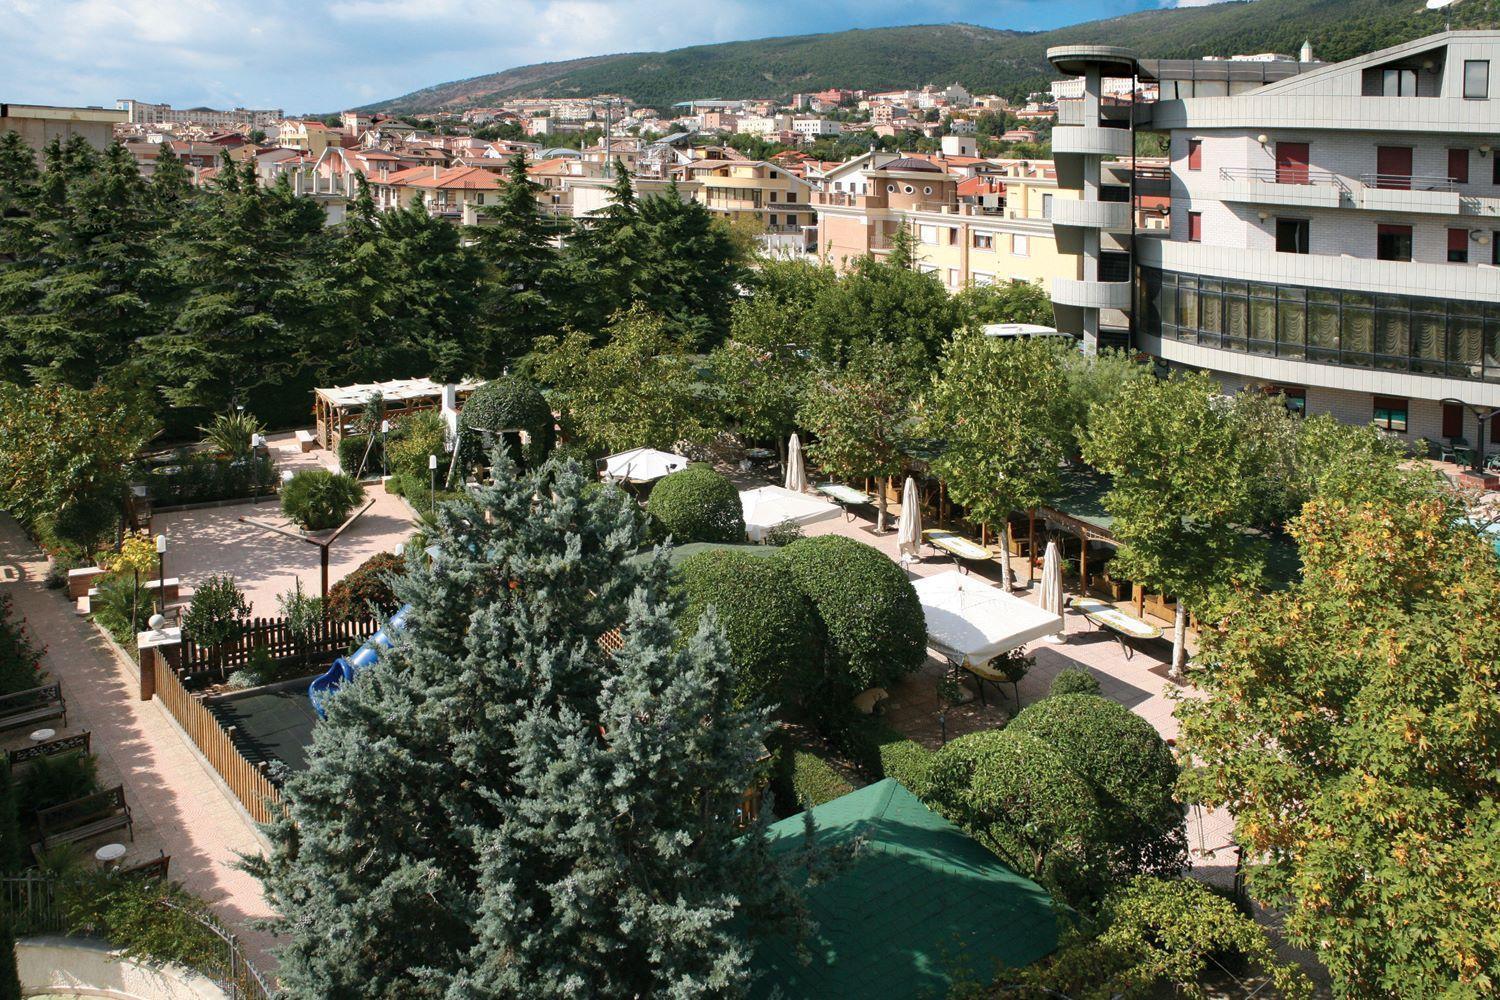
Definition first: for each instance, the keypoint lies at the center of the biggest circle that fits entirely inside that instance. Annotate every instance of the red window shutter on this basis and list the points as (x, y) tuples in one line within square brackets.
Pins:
[(1453, 420), (1195, 227), (1195, 154), (1458, 239), (1458, 166)]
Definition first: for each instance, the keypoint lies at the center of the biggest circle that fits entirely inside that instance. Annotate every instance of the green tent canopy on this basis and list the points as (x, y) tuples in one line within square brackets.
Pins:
[(921, 905)]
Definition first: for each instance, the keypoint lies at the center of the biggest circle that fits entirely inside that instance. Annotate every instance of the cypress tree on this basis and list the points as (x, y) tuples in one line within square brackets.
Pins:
[(690, 271), (501, 808), (517, 243), (604, 258)]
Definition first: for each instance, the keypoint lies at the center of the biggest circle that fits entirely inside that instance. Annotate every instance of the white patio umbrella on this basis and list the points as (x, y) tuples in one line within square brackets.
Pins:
[(909, 527), (1051, 596), (796, 475)]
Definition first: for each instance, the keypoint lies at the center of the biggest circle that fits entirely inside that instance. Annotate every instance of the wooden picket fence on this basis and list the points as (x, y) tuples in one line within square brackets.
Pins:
[(324, 641), (261, 799)]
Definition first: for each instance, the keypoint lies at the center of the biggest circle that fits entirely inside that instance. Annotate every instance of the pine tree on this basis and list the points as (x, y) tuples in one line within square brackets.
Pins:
[(170, 183), (691, 269), (604, 258), (500, 808), (517, 242)]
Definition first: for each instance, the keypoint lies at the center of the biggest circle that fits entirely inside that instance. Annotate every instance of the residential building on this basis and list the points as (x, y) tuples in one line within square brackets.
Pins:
[(312, 136), (39, 124), (812, 128), (776, 201), (459, 194), (1333, 227), (147, 113), (992, 232)]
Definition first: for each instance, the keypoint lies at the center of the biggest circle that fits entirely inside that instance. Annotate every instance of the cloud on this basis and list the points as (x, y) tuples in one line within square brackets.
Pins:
[(322, 55)]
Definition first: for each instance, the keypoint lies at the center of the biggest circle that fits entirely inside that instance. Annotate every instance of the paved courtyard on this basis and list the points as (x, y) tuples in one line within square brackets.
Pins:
[(213, 540)]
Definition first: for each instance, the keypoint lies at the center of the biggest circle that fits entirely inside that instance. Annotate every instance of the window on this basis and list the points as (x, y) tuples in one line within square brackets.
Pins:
[(1292, 235), (1046, 206), (907, 188), (1399, 83), (1195, 227), (927, 234), (479, 198), (1453, 420), (952, 277), (927, 189), (773, 196), (1195, 154), (890, 189), (983, 278), (1292, 160), (773, 220), (1458, 166), (984, 241), (1294, 396), (953, 236), (1393, 243), (1495, 248), (1458, 246), (1476, 79), (1390, 414), (1020, 246)]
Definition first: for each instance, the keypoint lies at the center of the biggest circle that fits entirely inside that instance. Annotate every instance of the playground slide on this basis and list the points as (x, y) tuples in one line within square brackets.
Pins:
[(346, 668)]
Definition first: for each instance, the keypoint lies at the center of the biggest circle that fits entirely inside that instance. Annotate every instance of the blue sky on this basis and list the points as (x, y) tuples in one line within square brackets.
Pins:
[(320, 55)]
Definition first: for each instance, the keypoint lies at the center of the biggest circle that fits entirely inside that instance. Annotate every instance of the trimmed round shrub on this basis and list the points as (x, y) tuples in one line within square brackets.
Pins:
[(772, 634), (1018, 795), (368, 585), (507, 404), (872, 621), (1073, 681), (697, 505), (318, 499), (1130, 769)]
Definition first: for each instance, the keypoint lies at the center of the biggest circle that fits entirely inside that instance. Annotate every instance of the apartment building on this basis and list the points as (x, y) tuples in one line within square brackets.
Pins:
[(312, 136), (968, 231), (811, 128), (39, 124), (776, 200), (1333, 228), (147, 113)]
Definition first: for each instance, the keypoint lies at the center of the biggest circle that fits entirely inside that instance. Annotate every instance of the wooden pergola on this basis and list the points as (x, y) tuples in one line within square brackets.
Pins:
[(337, 409)]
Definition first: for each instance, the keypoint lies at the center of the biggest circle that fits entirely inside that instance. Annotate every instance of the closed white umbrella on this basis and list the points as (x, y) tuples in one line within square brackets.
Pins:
[(1051, 596), (909, 527), (796, 475)]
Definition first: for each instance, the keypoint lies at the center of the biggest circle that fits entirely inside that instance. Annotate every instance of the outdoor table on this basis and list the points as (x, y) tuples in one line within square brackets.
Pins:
[(960, 548), (1104, 615), (845, 496), (43, 735), (110, 854)]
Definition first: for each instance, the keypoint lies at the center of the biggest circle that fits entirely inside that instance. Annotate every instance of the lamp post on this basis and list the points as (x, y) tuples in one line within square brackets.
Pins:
[(161, 573), (385, 429), (432, 476)]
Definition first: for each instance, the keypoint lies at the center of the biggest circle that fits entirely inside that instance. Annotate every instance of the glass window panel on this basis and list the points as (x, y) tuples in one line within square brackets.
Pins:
[(1428, 331), (1357, 330), (1169, 304), (1465, 336), (1210, 316), (1236, 317), (1291, 324), (1492, 350), (1187, 309), (1262, 323), (1392, 333), (1323, 325)]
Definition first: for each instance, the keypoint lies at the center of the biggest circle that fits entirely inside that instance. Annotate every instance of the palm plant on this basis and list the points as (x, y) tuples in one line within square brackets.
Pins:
[(233, 433)]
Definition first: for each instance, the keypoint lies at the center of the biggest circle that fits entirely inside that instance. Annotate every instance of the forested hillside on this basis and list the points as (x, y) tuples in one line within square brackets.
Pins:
[(984, 59)]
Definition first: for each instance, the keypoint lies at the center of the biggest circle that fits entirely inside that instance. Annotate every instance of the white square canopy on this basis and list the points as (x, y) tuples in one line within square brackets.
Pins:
[(767, 506), (642, 465), (971, 622)]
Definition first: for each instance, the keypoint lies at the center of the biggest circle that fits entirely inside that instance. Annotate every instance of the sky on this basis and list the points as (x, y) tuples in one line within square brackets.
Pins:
[(325, 55)]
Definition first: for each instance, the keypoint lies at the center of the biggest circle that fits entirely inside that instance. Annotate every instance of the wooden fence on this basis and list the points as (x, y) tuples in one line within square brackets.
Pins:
[(279, 642), (261, 799)]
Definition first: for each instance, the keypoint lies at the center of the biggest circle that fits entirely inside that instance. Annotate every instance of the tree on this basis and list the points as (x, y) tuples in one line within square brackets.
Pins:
[(1350, 724), (319, 500), (884, 302), (217, 614), (859, 415), (635, 390), (1183, 492), (994, 405), (63, 449), (1092, 379), (557, 819), (603, 259), (691, 269), (1008, 302), (10, 977), (1152, 934), (517, 243)]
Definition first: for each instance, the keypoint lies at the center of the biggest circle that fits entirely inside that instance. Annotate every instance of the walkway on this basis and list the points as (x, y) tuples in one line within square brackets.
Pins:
[(177, 803)]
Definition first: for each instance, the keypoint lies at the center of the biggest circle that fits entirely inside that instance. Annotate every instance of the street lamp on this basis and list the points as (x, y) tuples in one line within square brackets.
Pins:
[(161, 573), (385, 429), (432, 475)]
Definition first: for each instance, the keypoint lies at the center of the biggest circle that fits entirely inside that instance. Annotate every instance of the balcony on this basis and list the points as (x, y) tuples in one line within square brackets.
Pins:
[(1409, 193), (1297, 186), (1092, 294), (1092, 140), (1111, 216)]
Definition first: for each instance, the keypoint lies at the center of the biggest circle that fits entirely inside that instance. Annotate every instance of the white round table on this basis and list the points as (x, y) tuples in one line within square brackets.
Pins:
[(109, 854), (43, 735)]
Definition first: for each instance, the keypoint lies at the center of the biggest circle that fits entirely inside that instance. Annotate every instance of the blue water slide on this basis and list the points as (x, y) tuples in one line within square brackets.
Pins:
[(346, 668)]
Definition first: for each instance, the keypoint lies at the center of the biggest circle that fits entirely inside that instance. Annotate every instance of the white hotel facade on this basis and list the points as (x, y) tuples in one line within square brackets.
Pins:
[(1335, 228)]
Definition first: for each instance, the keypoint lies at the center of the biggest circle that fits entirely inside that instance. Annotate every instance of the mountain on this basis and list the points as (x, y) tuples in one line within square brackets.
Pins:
[(983, 59)]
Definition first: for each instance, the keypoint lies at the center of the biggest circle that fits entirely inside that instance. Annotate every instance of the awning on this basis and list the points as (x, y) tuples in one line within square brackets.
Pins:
[(970, 622), (641, 465), (768, 506)]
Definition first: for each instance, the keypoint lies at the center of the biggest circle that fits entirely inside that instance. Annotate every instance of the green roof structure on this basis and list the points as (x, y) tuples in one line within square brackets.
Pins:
[(921, 903)]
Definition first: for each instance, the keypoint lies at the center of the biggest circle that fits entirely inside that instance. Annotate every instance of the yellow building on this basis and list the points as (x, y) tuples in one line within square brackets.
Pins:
[(757, 191), (991, 224), (309, 135)]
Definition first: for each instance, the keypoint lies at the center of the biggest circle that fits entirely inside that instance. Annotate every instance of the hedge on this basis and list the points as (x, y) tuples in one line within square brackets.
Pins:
[(369, 584), (882, 752), (815, 781), (507, 403), (352, 454), (872, 620), (1073, 681), (412, 440), (772, 633), (697, 505), (1129, 768), (198, 477)]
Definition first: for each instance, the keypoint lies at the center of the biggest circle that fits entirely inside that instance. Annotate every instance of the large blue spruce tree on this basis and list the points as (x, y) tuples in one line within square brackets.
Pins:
[(502, 808)]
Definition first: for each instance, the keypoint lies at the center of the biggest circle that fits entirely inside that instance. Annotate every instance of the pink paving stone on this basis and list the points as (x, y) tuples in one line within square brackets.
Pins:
[(177, 805)]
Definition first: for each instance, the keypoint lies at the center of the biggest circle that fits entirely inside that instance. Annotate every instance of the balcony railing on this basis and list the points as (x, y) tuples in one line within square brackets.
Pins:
[(1409, 182), (1284, 175)]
